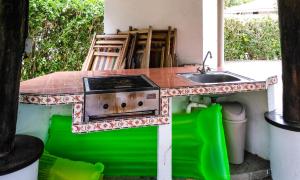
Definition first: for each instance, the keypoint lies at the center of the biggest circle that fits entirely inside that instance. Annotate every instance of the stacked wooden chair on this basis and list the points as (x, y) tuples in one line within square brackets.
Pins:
[(164, 43), (133, 49), (106, 53), (140, 47), (152, 48)]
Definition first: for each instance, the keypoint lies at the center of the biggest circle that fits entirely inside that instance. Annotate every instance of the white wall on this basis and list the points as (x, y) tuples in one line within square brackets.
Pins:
[(185, 15), (34, 120), (210, 30)]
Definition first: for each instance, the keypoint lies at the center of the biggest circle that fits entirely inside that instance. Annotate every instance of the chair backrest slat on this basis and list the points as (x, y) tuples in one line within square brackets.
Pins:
[(106, 52), (151, 47)]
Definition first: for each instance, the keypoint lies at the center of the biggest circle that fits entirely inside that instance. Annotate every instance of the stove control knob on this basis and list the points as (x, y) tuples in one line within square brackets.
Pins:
[(105, 106), (123, 105), (140, 103)]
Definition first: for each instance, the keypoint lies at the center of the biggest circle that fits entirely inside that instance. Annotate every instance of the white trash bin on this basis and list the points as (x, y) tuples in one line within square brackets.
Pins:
[(234, 122)]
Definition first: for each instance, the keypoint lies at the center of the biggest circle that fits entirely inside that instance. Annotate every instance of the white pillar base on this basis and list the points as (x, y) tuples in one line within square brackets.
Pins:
[(284, 154), (28, 173), (164, 149)]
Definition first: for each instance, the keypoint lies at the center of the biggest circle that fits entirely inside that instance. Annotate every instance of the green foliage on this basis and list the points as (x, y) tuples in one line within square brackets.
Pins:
[(61, 30), (259, 38), (229, 3)]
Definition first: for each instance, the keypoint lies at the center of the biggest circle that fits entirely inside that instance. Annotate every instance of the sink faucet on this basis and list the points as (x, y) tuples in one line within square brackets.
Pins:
[(202, 70)]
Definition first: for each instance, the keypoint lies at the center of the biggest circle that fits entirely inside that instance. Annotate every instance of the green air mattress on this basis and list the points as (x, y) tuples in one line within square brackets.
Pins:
[(198, 143), (57, 168)]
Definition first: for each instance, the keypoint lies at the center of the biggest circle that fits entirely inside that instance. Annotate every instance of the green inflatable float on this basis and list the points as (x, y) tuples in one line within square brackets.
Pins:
[(199, 149), (57, 168)]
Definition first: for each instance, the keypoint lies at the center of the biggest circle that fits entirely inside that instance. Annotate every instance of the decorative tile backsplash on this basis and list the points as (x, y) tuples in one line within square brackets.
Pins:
[(78, 113), (164, 110), (120, 124), (214, 89), (51, 99)]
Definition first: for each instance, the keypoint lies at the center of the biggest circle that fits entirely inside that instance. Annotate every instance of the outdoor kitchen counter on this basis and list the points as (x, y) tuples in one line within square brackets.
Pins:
[(70, 83), (67, 88)]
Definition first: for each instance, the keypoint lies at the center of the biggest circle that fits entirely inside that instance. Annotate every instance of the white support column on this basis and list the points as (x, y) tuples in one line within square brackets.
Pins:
[(164, 149), (220, 33), (271, 99)]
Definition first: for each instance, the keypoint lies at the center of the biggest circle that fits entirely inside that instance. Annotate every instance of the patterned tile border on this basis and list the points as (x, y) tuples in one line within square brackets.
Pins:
[(164, 106), (120, 124), (219, 89), (272, 80), (210, 90), (51, 99), (111, 124), (77, 113)]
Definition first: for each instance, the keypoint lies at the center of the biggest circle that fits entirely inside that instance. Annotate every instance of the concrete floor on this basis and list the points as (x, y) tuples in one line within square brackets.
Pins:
[(253, 168)]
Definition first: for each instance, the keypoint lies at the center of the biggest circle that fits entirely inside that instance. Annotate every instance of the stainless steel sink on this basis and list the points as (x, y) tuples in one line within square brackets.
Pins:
[(215, 77)]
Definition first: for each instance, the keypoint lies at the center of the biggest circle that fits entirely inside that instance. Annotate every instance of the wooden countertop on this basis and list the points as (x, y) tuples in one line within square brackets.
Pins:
[(71, 82), (61, 83)]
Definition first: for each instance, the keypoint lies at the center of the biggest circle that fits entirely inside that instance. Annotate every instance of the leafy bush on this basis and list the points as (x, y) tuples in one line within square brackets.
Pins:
[(229, 3), (61, 30), (258, 39)]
